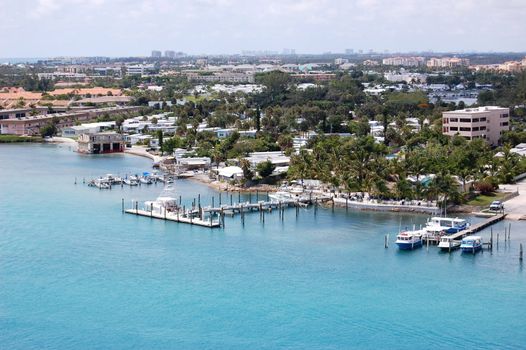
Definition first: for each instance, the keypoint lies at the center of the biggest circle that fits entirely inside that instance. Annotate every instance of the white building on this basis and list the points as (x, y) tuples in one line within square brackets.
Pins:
[(88, 128), (488, 123), (140, 69)]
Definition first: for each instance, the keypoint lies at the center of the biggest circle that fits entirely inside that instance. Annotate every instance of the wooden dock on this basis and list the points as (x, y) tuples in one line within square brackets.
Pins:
[(214, 217), (177, 217), (478, 227)]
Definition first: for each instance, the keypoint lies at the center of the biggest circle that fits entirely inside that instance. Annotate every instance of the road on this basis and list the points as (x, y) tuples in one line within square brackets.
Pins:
[(516, 207)]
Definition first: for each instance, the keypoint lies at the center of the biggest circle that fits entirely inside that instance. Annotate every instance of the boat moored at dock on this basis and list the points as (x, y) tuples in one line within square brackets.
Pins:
[(471, 244), (447, 243), (408, 240), (446, 225)]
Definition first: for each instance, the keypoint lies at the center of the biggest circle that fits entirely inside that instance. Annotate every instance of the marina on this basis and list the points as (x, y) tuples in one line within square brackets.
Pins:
[(168, 208), (151, 283)]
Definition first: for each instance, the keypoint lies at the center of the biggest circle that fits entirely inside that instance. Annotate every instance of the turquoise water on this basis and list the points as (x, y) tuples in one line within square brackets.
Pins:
[(75, 273)]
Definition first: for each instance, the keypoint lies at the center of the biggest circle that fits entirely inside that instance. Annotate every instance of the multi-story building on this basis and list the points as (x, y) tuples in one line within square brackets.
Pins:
[(403, 61), (447, 62), (30, 125), (140, 69), (169, 54), (483, 122), (340, 61), (156, 54)]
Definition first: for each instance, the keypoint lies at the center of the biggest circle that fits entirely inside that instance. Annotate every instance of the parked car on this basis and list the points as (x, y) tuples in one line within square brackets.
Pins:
[(496, 206)]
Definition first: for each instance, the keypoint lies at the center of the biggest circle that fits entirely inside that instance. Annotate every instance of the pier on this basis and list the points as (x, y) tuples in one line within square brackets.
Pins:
[(434, 240), (478, 227), (214, 216)]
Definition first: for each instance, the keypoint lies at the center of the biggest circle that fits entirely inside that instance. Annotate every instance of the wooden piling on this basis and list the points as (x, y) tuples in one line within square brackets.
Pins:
[(151, 210), (386, 244), (520, 253), (257, 195), (231, 203), (122, 205), (137, 207)]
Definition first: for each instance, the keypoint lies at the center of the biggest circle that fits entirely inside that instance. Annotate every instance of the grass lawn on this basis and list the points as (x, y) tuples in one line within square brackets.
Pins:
[(484, 200), (15, 138)]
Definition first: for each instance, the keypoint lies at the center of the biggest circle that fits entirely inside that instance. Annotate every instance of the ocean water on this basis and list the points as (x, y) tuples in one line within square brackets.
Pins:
[(76, 273)]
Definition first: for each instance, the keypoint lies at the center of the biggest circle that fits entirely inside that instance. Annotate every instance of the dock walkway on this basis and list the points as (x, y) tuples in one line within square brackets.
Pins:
[(478, 227), (214, 216), (177, 217)]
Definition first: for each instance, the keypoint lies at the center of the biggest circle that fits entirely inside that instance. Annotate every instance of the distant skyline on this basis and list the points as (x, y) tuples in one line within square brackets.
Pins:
[(48, 28)]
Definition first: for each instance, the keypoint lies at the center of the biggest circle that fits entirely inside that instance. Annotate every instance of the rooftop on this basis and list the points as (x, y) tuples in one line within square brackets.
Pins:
[(478, 110)]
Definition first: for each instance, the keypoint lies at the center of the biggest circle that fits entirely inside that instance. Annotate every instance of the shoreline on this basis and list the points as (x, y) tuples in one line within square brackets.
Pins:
[(225, 187)]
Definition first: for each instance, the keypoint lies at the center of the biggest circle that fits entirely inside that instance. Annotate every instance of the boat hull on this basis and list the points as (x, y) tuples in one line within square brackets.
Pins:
[(471, 249), (409, 245)]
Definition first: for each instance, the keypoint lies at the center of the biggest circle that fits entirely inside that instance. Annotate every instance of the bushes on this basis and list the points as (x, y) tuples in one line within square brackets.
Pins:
[(485, 186)]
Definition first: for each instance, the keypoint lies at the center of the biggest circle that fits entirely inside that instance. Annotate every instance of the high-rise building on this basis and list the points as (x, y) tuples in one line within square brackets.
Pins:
[(169, 54), (349, 51), (156, 54)]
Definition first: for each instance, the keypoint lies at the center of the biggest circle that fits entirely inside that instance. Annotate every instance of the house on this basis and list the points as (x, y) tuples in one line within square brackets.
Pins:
[(224, 133), (278, 158), (230, 173), (104, 142), (89, 128), (138, 138)]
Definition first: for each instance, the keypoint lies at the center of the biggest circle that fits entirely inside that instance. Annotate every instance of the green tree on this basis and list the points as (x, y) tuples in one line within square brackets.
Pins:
[(265, 169)]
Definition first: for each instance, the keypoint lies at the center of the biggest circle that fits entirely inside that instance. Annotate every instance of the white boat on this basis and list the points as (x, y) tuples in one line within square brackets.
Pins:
[(145, 180), (131, 181), (408, 240), (471, 244), (446, 225), (282, 196), (448, 243)]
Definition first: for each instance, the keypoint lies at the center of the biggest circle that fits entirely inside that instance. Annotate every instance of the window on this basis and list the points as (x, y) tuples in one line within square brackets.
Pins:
[(504, 124), (483, 119), (505, 115), (465, 129), (4, 116), (475, 120), (482, 128), (465, 120), (453, 128), (20, 115), (476, 128), (453, 120), (445, 120)]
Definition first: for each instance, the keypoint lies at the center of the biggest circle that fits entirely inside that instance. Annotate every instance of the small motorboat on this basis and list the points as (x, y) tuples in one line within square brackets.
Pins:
[(447, 243), (471, 244), (408, 240)]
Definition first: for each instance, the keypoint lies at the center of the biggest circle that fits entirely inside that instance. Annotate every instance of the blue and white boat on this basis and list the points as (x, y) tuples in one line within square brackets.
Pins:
[(408, 240), (471, 244), (446, 225)]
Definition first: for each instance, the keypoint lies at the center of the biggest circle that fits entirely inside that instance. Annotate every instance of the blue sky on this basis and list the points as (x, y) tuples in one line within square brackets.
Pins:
[(42, 28)]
